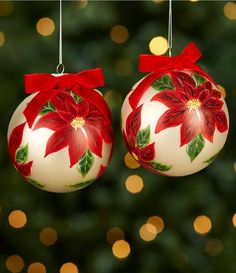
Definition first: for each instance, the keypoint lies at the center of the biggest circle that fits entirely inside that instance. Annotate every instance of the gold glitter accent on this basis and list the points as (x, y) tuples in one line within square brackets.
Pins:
[(77, 122), (194, 104)]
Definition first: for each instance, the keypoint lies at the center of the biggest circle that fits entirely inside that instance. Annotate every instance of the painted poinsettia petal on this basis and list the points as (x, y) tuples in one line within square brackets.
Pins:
[(181, 78), (133, 122), (171, 118), (94, 139), (67, 117), (147, 153), (129, 141), (169, 98), (15, 140), (101, 170), (71, 108), (83, 109), (208, 125), (77, 146), (190, 126), (213, 104), (216, 94), (204, 90), (59, 140), (59, 101), (25, 169), (51, 120), (221, 121)]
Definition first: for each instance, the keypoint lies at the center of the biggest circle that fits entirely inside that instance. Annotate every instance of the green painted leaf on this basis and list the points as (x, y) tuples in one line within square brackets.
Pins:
[(75, 97), (22, 154), (211, 159), (198, 79), (143, 137), (85, 163), (160, 167), (195, 147), (35, 183), (163, 83), (48, 107), (82, 184)]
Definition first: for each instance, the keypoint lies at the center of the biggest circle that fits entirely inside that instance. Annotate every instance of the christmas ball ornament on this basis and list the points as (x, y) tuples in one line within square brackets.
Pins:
[(174, 121), (60, 137)]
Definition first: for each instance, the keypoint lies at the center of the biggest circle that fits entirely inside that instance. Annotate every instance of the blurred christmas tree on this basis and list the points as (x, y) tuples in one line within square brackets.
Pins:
[(129, 220)]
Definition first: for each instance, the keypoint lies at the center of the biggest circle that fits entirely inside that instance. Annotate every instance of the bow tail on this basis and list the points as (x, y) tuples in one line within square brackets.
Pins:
[(36, 104)]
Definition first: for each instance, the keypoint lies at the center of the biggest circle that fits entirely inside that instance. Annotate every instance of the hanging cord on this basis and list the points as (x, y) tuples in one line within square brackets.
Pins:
[(170, 28), (60, 67)]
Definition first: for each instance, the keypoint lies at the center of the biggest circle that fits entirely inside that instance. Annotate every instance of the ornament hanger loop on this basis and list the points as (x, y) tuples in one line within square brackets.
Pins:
[(60, 67), (170, 28)]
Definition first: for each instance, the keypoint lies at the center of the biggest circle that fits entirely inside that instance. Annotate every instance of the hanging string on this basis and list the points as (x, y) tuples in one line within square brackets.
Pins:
[(60, 67), (170, 28)]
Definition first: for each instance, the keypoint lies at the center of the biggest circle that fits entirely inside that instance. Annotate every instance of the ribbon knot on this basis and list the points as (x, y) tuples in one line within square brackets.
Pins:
[(48, 86), (160, 65)]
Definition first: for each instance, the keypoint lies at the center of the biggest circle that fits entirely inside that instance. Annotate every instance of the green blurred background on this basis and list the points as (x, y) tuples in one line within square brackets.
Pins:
[(70, 233)]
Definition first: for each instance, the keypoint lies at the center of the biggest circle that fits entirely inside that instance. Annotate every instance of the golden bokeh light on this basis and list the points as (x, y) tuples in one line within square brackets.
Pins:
[(45, 26), (130, 162), (14, 264), (121, 249), (194, 0), (230, 10), (48, 236), (214, 247), (115, 234), (148, 232), (113, 99), (234, 220), (82, 4), (134, 184), (157, 222), (202, 224), (36, 268), (235, 166), (6, 8), (222, 90), (17, 219), (158, 1), (2, 38), (69, 268), (123, 67), (158, 45), (119, 34)]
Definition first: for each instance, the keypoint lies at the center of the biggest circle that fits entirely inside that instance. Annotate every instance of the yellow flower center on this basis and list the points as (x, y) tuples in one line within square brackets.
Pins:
[(77, 122), (194, 104), (135, 156)]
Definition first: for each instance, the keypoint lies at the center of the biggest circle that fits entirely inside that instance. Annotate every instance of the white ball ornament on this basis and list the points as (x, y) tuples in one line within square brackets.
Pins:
[(60, 139), (174, 121)]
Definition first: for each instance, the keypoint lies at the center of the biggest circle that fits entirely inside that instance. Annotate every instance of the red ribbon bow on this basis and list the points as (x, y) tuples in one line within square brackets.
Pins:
[(49, 86), (160, 65)]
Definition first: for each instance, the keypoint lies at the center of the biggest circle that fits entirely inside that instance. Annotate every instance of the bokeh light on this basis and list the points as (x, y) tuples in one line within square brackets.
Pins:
[(69, 268), (222, 90), (234, 220), (45, 26), (157, 222), (214, 247), (14, 264), (235, 166), (134, 184), (81, 4), (194, 1), (2, 38), (130, 162), (113, 99), (48, 236), (36, 268), (121, 249), (202, 224), (230, 10), (6, 8), (158, 45), (158, 1), (123, 67), (119, 34), (147, 232), (17, 219), (115, 234)]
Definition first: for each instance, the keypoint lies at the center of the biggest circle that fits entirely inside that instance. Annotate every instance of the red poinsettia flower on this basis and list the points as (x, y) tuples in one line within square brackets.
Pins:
[(13, 145), (78, 125), (196, 108), (133, 123)]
